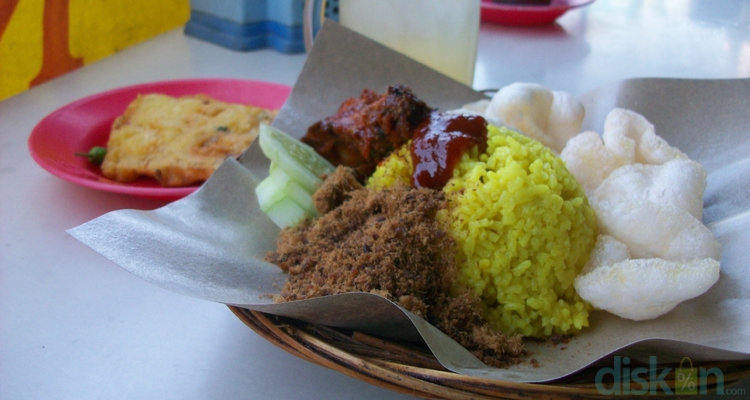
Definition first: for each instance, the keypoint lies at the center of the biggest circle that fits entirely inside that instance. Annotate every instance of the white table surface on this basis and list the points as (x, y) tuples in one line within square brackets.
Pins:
[(75, 326)]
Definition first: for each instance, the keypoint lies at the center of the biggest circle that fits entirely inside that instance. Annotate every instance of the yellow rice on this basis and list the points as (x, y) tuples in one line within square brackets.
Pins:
[(524, 229)]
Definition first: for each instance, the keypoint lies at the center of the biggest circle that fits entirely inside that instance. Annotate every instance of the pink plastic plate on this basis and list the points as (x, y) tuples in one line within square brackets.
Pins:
[(85, 123), (519, 14)]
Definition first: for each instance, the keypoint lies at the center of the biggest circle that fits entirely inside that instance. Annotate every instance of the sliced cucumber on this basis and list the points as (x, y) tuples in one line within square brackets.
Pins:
[(297, 159), (286, 194), (269, 192), (286, 213), (294, 190)]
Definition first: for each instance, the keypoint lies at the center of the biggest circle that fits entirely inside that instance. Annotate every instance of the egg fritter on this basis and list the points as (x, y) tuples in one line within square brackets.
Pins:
[(179, 141)]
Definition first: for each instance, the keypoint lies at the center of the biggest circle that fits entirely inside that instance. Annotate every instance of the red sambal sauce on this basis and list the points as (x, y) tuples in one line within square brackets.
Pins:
[(438, 144)]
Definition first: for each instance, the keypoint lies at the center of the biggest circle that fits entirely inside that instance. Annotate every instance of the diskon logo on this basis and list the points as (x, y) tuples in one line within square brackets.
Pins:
[(651, 380)]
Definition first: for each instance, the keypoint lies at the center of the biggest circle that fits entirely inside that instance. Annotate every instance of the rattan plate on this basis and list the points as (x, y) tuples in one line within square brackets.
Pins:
[(412, 370)]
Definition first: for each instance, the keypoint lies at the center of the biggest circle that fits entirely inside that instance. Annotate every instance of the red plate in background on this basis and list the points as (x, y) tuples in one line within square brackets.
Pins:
[(85, 123), (518, 14)]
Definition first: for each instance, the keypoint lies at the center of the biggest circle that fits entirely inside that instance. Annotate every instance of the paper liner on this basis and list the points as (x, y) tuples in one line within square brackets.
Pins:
[(210, 245)]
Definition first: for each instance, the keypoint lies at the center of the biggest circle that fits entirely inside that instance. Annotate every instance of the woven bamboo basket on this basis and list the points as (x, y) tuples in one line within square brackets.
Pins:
[(412, 370)]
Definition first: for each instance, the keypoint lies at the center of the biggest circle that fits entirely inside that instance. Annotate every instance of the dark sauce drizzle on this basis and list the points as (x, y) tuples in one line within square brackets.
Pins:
[(438, 144)]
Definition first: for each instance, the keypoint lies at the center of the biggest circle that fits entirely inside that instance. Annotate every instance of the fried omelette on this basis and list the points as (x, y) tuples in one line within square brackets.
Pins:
[(179, 141)]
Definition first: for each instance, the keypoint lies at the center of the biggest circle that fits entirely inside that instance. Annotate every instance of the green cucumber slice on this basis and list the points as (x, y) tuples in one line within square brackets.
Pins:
[(269, 192), (298, 160), (294, 190), (286, 213), (278, 186)]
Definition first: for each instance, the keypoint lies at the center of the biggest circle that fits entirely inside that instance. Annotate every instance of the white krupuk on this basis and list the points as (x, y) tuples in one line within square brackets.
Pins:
[(550, 117), (653, 251), (641, 289)]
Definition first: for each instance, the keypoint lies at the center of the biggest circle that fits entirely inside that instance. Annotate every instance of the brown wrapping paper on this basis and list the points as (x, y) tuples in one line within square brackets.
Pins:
[(210, 245)]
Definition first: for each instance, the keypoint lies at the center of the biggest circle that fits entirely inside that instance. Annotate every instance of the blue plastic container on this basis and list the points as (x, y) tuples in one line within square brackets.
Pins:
[(246, 25)]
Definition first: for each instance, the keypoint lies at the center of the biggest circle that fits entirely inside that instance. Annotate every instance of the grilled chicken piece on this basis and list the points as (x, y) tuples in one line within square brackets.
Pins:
[(366, 129)]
